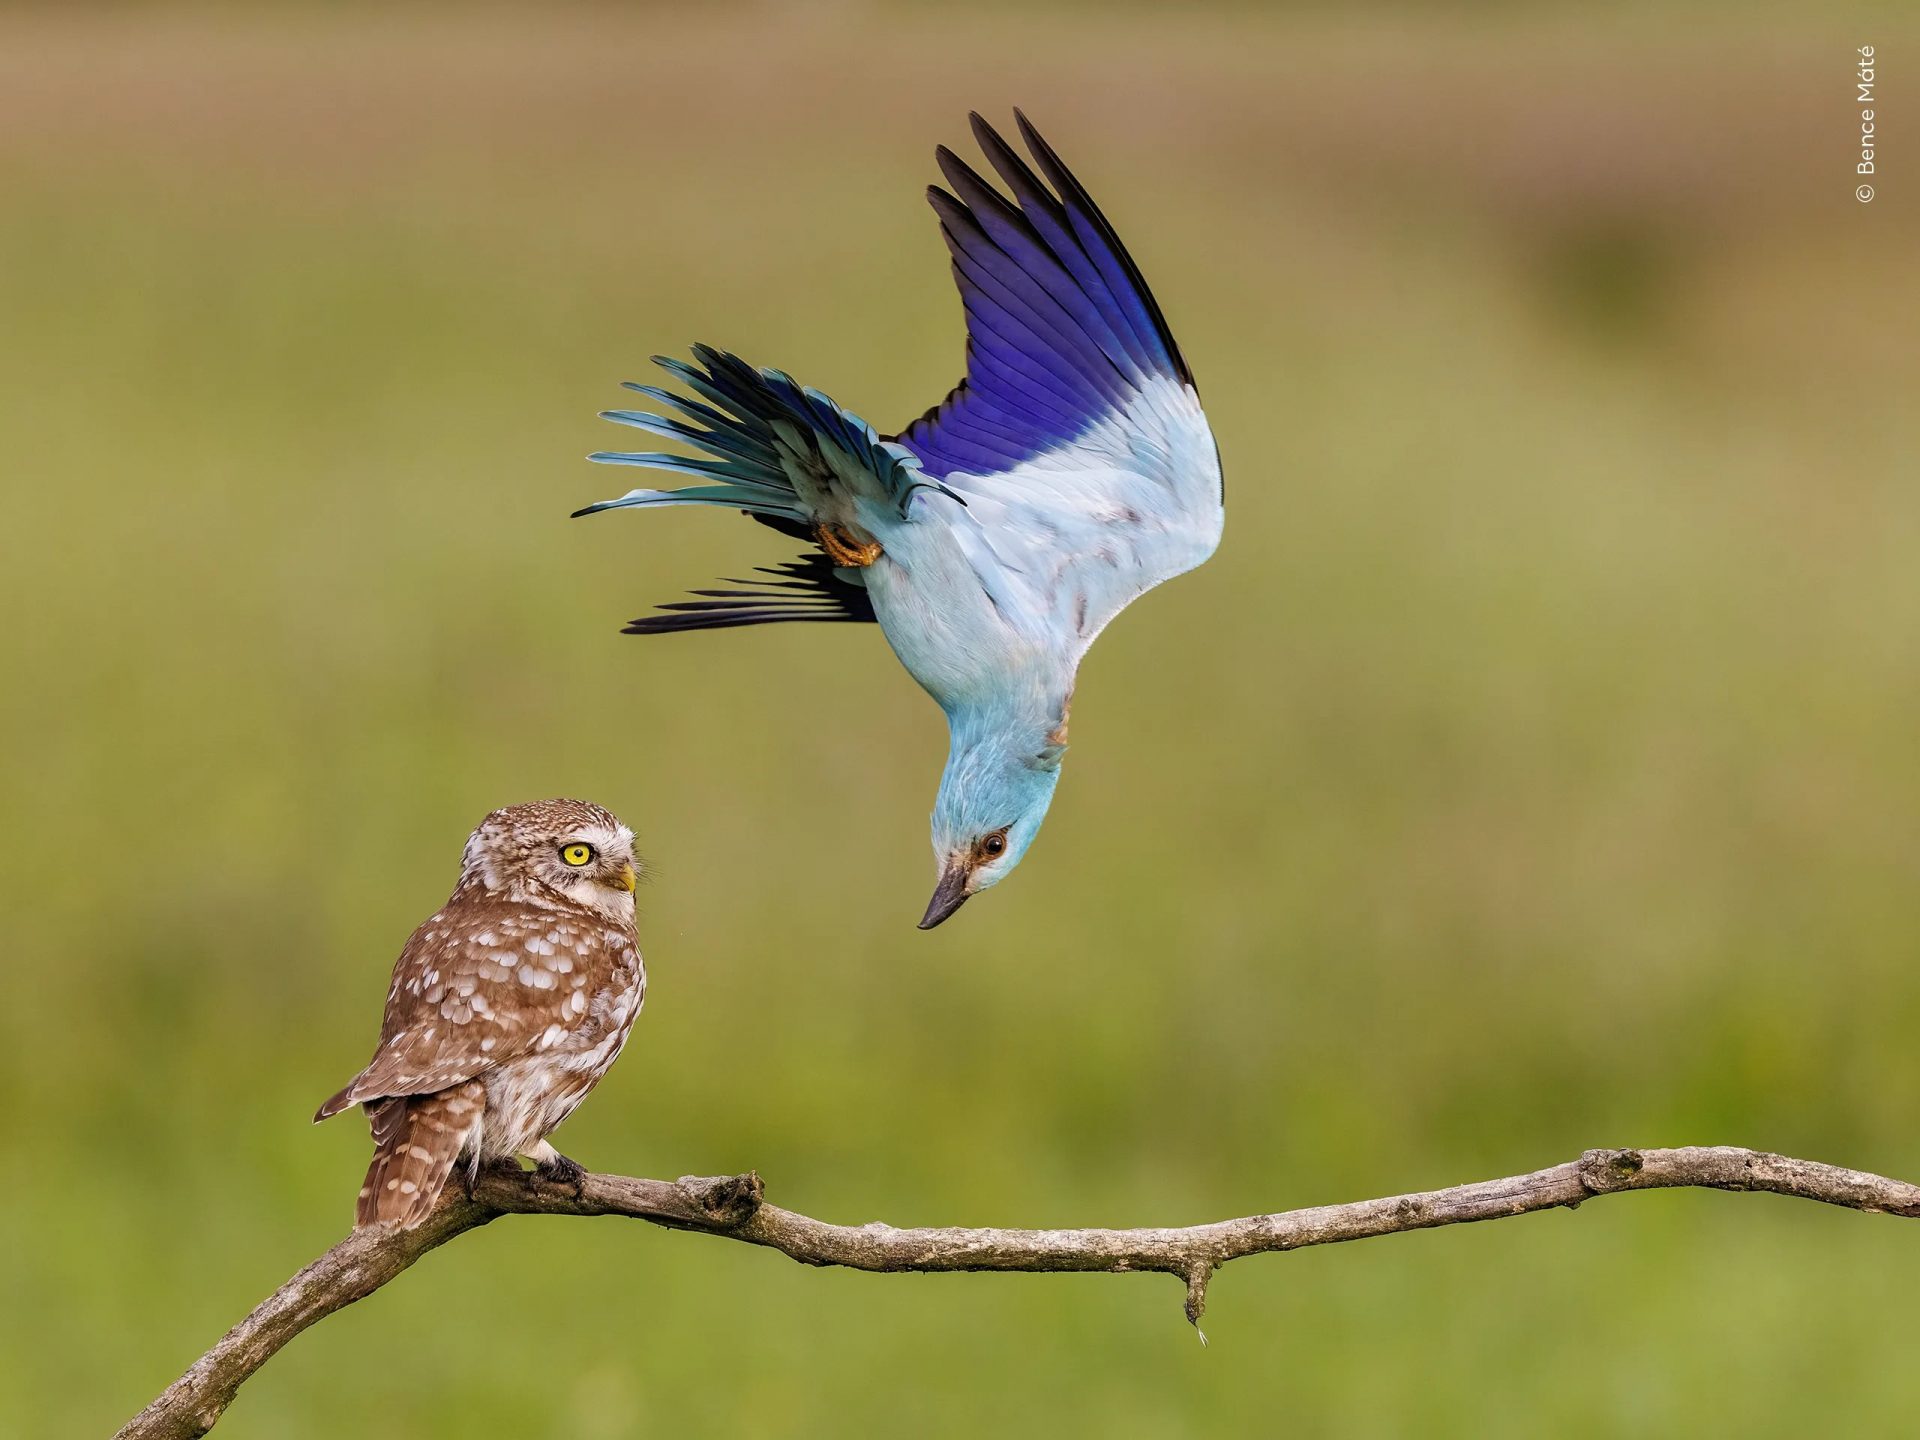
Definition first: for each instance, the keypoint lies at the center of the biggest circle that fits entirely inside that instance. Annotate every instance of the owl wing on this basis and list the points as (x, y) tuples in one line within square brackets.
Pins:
[(477, 985)]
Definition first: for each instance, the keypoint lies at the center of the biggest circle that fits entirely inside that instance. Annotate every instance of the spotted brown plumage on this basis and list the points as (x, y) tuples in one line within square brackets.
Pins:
[(506, 1007)]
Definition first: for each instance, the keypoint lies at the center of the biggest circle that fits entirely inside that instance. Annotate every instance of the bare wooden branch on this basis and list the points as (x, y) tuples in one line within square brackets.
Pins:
[(733, 1207)]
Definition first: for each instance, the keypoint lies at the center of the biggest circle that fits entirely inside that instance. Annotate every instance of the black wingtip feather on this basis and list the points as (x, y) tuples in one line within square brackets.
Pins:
[(802, 589)]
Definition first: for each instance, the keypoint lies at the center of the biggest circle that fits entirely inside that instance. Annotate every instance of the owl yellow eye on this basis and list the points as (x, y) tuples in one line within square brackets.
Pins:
[(576, 854)]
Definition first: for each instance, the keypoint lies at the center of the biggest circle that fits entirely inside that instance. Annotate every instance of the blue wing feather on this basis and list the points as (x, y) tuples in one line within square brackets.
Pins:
[(1063, 339), (762, 430), (1061, 328)]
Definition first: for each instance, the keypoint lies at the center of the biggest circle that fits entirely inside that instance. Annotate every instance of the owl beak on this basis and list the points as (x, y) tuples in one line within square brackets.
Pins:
[(624, 878), (948, 896)]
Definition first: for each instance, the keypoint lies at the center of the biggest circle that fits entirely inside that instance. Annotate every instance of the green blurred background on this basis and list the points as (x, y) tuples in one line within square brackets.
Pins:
[(1534, 768)]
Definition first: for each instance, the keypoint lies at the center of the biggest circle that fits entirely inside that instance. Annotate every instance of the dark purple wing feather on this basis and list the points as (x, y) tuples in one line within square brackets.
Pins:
[(1061, 328)]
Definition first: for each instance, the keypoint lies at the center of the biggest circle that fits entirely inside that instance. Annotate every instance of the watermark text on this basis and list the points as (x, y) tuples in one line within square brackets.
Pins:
[(1863, 83)]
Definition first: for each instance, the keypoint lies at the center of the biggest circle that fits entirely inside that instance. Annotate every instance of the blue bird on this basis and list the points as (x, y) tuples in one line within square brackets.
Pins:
[(1071, 471)]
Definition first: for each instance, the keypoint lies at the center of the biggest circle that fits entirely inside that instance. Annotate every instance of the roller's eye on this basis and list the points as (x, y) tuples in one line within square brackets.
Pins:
[(576, 854), (994, 845)]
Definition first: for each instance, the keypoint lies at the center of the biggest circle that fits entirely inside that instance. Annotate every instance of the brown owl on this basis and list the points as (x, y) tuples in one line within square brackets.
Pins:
[(506, 1007)]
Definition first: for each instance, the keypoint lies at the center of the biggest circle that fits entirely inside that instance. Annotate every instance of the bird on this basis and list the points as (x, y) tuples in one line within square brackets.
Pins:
[(1070, 471), (507, 1006)]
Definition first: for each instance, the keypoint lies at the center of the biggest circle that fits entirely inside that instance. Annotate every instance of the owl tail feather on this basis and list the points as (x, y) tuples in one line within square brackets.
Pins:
[(416, 1141)]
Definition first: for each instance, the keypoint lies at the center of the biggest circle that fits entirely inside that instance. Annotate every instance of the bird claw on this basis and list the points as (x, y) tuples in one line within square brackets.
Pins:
[(561, 1170), (845, 549)]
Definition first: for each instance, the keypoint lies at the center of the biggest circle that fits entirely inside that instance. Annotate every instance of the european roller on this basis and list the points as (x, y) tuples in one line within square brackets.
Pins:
[(1071, 471)]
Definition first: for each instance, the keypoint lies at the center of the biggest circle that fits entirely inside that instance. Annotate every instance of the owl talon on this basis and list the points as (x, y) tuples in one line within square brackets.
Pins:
[(560, 1170)]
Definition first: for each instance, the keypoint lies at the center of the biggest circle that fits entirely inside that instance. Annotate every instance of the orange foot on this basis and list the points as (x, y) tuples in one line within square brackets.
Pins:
[(844, 550)]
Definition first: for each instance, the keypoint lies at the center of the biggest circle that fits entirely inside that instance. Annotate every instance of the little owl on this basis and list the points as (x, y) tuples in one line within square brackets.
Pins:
[(506, 1007)]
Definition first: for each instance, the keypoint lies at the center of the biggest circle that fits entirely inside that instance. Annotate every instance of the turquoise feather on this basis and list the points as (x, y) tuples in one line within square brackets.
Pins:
[(1071, 470)]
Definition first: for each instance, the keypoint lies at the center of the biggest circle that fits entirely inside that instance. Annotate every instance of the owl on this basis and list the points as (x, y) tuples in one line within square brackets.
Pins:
[(506, 1008)]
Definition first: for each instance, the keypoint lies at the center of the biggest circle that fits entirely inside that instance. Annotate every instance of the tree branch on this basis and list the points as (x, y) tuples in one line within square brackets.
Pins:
[(733, 1207)]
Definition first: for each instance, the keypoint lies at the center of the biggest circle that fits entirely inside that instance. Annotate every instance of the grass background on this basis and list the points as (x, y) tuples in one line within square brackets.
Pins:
[(1534, 767)]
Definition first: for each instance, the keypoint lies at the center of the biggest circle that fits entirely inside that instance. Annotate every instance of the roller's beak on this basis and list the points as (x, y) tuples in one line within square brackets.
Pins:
[(624, 878), (948, 896)]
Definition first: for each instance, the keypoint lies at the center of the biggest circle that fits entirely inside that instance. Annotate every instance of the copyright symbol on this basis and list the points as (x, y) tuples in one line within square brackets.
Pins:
[(1863, 194)]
